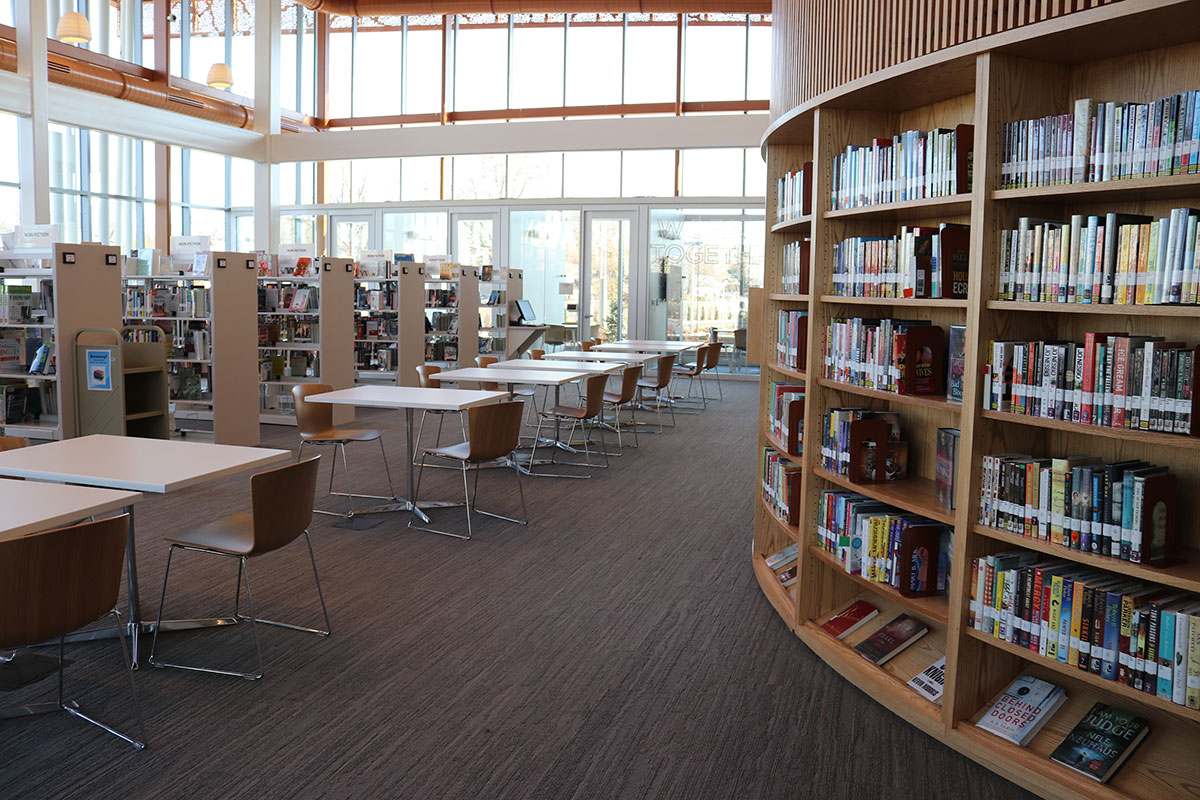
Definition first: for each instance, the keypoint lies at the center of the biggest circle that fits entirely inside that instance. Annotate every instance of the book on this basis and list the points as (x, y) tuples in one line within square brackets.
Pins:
[(884, 644), (956, 363), (1101, 742), (850, 619), (946, 465), (1023, 709), (931, 682)]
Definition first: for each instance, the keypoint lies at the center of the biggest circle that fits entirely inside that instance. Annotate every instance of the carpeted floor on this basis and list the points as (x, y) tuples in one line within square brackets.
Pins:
[(618, 646)]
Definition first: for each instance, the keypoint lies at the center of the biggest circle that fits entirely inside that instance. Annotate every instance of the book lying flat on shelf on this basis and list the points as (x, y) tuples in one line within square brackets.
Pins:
[(784, 557), (850, 619), (932, 682), (884, 644), (1101, 742), (1023, 710)]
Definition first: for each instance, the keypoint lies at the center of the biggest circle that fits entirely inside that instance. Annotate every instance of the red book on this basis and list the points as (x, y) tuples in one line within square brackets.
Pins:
[(850, 619)]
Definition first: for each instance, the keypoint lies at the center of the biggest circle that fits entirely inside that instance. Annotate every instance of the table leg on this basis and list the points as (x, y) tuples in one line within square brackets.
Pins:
[(412, 490)]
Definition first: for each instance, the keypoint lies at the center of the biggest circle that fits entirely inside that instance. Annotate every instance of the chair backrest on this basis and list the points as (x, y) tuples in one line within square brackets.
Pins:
[(425, 373), (629, 379), (485, 361), (594, 394), (56, 582), (312, 419), (537, 355), (665, 365), (713, 357), (739, 339), (282, 502), (12, 442), (494, 430), (587, 344)]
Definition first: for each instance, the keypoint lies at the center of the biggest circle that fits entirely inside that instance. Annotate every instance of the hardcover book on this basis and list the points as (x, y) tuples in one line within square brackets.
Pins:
[(1101, 742), (1024, 708), (850, 619), (883, 645)]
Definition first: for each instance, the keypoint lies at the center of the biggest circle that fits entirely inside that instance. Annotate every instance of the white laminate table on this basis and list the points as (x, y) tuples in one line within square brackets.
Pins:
[(565, 373), (593, 355), (590, 367), (158, 466), (646, 347), (408, 398)]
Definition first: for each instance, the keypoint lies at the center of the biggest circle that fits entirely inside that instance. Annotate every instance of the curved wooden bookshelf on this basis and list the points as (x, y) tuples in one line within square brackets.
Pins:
[(1024, 66)]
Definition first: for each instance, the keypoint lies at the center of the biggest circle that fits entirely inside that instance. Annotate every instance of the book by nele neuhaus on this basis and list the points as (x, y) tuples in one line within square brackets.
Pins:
[(1023, 709), (883, 644), (1101, 742)]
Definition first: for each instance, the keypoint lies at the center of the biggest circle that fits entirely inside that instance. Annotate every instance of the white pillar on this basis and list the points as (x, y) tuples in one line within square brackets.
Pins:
[(267, 22), (33, 131)]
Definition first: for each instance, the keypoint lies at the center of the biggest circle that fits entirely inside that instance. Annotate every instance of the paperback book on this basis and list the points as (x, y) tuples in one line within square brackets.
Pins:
[(892, 639), (850, 619), (1102, 741)]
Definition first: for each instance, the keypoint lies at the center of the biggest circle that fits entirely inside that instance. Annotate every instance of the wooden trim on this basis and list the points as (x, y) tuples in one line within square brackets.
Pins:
[(162, 196), (551, 112), (64, 50), (322, 66), (162, 38)]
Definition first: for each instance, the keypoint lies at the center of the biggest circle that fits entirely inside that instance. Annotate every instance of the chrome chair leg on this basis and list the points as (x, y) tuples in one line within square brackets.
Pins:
[(417, 493), (240, 617)]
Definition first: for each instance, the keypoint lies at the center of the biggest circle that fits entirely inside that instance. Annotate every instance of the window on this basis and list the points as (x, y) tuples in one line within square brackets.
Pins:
[(545, 244), (535, 175), (480, 62), (419, 233), (210, 35), (10, 179), (203, 192), (479, 177), (650, 61), (592, 174), (648, 173), (298, 59), (705, 76), (100, 187), (537, 67), (594, 62), (713, 173)]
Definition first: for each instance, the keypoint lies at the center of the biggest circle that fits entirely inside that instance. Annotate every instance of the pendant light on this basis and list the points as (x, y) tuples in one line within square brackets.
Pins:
[(73, 27), (220, 76)]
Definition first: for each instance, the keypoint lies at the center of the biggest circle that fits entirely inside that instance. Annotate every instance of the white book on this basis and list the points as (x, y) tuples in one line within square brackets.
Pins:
[(1024, 708)]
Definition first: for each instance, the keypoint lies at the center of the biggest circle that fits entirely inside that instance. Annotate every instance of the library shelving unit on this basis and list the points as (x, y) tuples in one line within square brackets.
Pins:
[(1012, 63), (313, 344), (452, 309), (388, 325), (77, 286), (493, 312), (205, 316)]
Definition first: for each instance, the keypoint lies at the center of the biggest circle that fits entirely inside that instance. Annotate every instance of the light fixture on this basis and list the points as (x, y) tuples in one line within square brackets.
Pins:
[(220, 76), (73, 27)]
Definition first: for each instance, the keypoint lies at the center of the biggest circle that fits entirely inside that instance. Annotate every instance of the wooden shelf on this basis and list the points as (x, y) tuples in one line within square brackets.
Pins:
[(790, 298), (951, 205), (1185, 575), (914, 302), (798, 224), (1126, 693), (1149, 437), (144, 415), (1165, 188), (791, 373), (935, 608), (792, 531), (141, 370), (779, 597), (916, 495), (1094, 308), (777, 444), (926, 401)]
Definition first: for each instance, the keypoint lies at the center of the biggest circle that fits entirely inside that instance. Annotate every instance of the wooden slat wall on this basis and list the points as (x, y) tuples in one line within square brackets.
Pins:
[(822, 44)]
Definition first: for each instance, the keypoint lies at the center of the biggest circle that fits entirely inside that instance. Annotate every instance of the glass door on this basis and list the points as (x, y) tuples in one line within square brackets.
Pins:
[(608, 246), (350, 234), (476, 237)]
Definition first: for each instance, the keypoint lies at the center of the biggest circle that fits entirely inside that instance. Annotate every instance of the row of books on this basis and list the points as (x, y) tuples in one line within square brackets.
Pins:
[(441, 298), (1104, 141), (780, 477), (793, 194), (374, 327), (304, 299), (884, 544), (784, 565), (370, 357), (188, 382), (442, 349), (289, 331), (922, 262), (1110, 380), (20, 303), (297, 364), (889, 355), (1125, 510), (791, 344), (374, 299), (1137, 634), (785, 413), (908, 166), (850, 449), (1121, 259), (795, 267), (166, 302)]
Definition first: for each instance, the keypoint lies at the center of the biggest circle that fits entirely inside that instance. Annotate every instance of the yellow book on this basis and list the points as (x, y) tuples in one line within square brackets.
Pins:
[(998, 602), (1077, 612), (1124, 234), (1055, 617)]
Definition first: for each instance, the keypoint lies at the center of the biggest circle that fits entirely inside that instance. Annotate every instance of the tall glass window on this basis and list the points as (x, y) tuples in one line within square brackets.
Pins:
[(10, 178), (419, 233), (205, 32), (101, 187), (545, 244), (203, 191)]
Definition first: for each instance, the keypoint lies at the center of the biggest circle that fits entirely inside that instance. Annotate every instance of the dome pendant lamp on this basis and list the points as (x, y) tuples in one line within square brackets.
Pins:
[(73, 27)]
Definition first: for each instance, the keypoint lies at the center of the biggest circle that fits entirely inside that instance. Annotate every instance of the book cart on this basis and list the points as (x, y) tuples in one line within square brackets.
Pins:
[(76, 286), (1130, 51), (205, 315), (308, 341)]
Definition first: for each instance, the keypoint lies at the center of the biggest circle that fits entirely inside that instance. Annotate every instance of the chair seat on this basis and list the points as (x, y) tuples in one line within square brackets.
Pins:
[(459, 451), (524, 392), (612, 397), (233, 534), (568, 412), (343, 435), (686, 371)]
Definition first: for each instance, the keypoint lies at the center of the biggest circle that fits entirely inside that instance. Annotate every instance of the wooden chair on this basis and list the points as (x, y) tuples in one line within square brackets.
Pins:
[(626, 398), (314, 421), (427, 379), (587, 344), (656, 384), (281, 511), (56, 582), (493, 433), (711, 362), (740, 345), (590, 412), (537, 355), (12, 443), (692, 372), (483, 362)]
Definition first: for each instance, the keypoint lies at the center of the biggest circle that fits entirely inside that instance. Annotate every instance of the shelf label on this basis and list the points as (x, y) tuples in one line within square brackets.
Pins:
[(189, 245), (36, 236)]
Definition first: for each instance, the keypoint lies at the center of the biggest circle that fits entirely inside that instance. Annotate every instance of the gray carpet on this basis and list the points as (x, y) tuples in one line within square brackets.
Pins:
[(616, 647)]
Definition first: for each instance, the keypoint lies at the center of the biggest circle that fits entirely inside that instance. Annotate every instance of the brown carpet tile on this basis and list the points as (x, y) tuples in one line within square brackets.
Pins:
[(618, 646)]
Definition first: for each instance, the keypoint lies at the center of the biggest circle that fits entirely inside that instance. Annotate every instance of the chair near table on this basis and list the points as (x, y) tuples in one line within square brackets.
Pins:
[(281, 511), (493, 433), (593, 406), (692, 372), (314, 422), (656, 384), (711, 362), (56, 582), (626, 398)]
